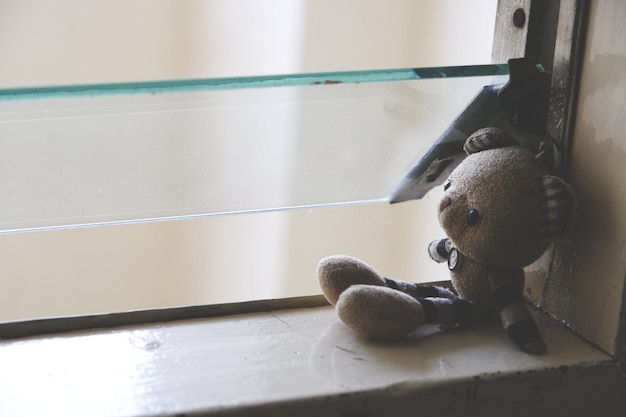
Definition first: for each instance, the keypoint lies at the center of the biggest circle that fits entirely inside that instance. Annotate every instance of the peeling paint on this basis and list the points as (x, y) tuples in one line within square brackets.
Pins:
[(586, 285)]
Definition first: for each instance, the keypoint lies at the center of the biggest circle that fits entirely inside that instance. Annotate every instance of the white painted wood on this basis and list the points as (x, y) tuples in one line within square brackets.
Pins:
[(509, 40), (300, 359), (588, 286)]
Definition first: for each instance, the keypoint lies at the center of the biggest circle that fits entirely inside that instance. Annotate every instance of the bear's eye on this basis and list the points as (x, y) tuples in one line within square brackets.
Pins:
[(446, 185), (473, 217)]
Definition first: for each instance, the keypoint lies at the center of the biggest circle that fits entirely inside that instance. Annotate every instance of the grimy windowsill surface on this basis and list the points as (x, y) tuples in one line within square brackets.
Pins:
[(302, 361)]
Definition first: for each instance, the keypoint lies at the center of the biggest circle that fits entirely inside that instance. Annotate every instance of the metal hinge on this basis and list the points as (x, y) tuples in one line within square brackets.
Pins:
[(542, 41)]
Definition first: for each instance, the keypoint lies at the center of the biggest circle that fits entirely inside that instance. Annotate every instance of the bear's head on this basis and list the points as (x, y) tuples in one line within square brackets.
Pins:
[(499, 206)]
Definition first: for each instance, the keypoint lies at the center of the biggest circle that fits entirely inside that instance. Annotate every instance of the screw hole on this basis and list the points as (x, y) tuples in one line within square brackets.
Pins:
[(519, 18)]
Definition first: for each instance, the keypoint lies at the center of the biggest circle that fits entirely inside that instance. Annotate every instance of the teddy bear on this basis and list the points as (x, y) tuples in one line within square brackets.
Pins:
[(500, 210)]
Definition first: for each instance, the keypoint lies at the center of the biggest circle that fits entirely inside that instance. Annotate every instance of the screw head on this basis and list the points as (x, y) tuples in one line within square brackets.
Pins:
[(519, 18)]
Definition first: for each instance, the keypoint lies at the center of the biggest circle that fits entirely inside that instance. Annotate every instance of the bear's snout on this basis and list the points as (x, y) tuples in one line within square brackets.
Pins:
[(445, 203)]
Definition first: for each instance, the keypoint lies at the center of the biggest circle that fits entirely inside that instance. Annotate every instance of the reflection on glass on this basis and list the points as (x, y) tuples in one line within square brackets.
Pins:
[(85, 155)]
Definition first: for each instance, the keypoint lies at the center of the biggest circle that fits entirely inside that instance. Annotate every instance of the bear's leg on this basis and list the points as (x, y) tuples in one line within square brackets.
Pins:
[(337, 273), (516, 319), (419, 290), (383, 313), (453, 312)]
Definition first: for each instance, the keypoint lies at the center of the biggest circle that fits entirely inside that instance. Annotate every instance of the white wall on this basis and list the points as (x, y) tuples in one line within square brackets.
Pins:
[(235, 257)]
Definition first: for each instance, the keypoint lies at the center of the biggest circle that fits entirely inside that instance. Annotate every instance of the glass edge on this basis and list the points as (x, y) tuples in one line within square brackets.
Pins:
[(71, 224), (212, 84)]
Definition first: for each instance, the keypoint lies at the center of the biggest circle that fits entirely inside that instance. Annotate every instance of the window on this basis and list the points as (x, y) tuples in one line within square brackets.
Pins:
[(225, 258)]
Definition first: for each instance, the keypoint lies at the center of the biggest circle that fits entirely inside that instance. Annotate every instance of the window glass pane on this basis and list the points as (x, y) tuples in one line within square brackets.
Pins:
[(115, 154)]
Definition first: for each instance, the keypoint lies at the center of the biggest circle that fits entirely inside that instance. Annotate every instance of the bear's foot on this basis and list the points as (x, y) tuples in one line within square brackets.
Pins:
[(379, 312), (337, 273)]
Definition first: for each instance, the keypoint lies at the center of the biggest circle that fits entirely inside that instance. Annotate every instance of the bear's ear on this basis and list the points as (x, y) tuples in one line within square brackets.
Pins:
[(488, 138), (558, 208)]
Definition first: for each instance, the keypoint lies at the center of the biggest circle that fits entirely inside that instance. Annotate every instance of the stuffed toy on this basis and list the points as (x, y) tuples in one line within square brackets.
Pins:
[(500, 210)]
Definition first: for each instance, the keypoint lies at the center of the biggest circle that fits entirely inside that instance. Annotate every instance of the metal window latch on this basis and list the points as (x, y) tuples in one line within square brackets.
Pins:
[(534, 106)]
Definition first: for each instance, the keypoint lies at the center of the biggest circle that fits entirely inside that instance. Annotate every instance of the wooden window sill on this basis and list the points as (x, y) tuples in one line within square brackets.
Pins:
[(301, 361)]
